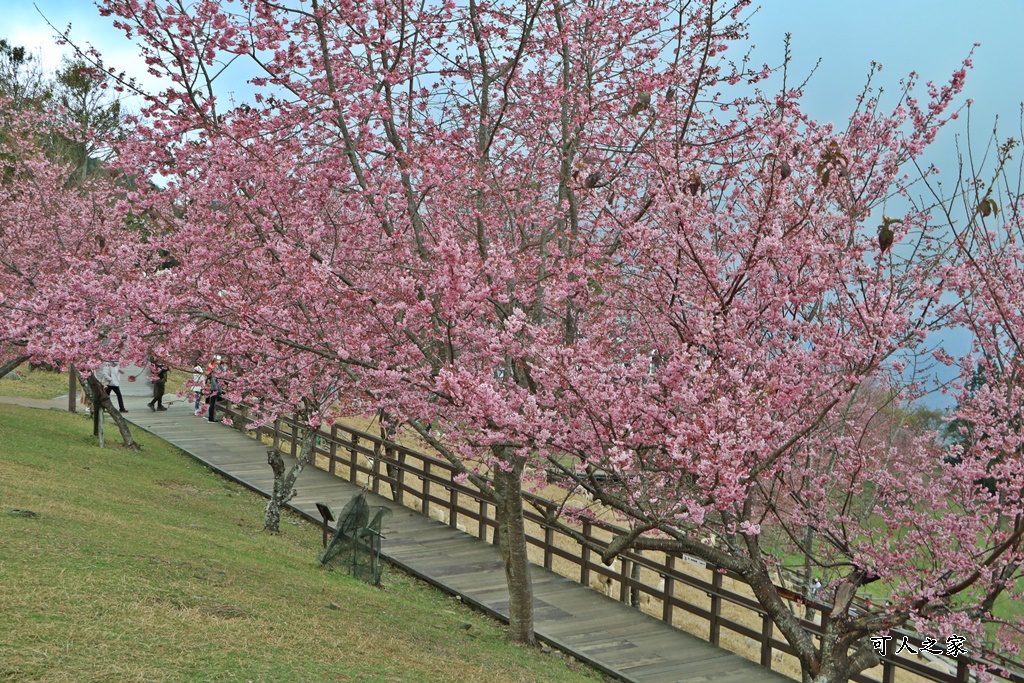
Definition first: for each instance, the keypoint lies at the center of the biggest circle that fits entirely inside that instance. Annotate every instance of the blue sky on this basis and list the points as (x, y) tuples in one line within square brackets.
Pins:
[(929, 36)]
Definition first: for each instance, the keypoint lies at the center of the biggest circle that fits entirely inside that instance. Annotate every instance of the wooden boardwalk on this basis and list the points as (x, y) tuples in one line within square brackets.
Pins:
[(598, 630)]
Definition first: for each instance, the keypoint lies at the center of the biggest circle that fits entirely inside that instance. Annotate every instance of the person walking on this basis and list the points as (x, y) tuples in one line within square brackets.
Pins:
[(109, 375), (198, 387), (159, 385), (216, 389)]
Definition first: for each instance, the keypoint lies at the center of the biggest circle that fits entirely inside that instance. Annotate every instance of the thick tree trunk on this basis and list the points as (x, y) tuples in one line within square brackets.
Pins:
[(766, 592), (844, 650), (100, 400), (512, 542), (284, 483), (10, 365)]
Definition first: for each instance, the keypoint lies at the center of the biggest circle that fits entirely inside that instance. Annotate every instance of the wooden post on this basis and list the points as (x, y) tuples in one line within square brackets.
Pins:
[(391, 470), (426, 487), (481, 526), (766, 640), (72, 388), (962, 672), (625, 570), (634, 589), (715, 628), (353, 458), (332, 465), (453, 504), (666, 596), (277, 433), (400, 493), (549, 542), (375, 476), (585, 556), (889, 672)]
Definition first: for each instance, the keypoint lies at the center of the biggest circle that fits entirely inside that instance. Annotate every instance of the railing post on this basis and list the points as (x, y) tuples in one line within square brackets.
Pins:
[(625, 571), (353, 458), (277, 433), (715, 627), (426, 487), (766, 640), (453, 503), (889, 672), (391, 469), (481, 527), (670, 585), (585, 555), (332, 464), (295, 436), (549, 542), (400, 493), (634, 589), (376, 470), (375, 475)]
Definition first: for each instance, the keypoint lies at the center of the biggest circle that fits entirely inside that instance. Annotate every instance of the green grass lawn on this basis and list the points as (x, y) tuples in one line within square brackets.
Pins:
[(148, 567), (29, 382)]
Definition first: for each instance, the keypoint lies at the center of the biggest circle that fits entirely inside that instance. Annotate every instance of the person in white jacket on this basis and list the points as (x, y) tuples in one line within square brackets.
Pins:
[(198, 386), (109, 375)]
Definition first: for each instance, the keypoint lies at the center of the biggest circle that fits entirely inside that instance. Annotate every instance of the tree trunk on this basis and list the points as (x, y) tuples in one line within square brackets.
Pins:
[(284, 483), (9, 366), (843, 652), (100, 400), (809, 592), (512, 542), (95, 404)]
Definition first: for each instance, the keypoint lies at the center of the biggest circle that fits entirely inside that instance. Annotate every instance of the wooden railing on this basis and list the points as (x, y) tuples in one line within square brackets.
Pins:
[(425, 482)]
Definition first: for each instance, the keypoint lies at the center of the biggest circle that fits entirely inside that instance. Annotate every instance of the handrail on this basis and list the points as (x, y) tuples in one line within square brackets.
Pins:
[(342, 447)]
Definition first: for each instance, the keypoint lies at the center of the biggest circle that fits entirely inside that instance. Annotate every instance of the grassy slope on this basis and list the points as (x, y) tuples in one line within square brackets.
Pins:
[(48, 384), (27, 382), (148, 567)]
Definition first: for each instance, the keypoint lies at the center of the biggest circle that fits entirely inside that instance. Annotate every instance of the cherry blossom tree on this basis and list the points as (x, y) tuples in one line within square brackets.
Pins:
[(762, 303), (415, 195), (527, 231), (983, 211), (67, 256)]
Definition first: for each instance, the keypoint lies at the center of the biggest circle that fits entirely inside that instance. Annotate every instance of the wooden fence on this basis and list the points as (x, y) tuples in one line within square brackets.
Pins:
[(424, 482)]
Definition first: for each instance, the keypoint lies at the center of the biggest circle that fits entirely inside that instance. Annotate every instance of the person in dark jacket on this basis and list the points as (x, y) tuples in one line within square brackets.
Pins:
[(217, 378), (159, 386)]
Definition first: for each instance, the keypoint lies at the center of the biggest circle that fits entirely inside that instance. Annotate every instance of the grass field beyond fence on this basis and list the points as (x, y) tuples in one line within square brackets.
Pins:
[(148, 567)]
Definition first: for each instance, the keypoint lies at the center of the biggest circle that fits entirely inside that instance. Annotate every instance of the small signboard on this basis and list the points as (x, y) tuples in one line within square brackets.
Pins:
[(694, 560)]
